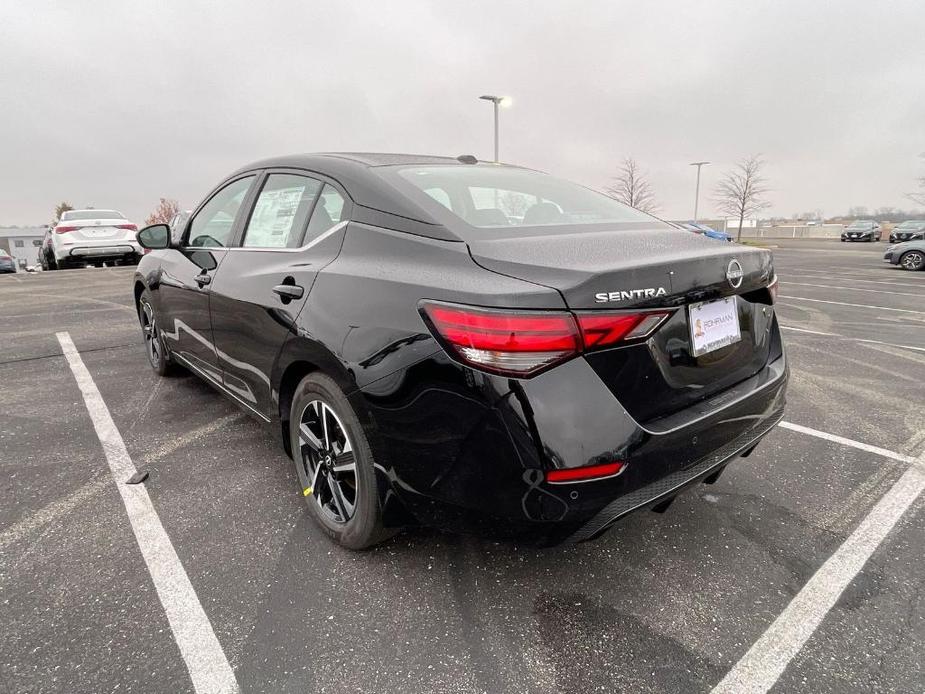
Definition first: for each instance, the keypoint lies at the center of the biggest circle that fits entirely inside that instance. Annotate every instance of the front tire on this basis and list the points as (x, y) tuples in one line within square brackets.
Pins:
[(334, 464), (912, 260), (157, 354)]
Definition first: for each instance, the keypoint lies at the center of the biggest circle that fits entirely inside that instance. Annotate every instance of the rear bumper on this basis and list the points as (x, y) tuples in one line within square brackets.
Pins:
[(468, 452), (116, 250)]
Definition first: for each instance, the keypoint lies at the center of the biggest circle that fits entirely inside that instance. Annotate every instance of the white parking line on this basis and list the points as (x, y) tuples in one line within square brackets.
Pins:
[(760, 668), (853, 339), (852, 289), (205, 660), (842, 303), (834, 438)]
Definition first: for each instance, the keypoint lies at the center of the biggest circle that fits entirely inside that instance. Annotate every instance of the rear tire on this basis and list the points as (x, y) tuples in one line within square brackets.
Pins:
[(334, 464), (912, 260), (158, 356)]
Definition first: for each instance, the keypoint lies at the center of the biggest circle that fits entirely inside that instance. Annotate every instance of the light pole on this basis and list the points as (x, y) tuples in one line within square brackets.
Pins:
[(698, 164), (497, 101)]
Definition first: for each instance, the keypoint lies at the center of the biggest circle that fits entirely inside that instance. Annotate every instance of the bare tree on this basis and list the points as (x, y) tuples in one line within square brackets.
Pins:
[(60, 209), (741, 191), (632, 187), (165, 211)]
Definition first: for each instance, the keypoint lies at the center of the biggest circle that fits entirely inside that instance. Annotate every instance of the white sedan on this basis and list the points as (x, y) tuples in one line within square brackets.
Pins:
[(90, 236)]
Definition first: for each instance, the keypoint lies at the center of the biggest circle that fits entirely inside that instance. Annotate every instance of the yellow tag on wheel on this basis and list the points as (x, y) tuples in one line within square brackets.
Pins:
[(307, 491)]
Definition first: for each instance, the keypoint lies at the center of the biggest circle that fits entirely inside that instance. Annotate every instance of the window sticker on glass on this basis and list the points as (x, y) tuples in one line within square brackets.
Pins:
[(280, 212)]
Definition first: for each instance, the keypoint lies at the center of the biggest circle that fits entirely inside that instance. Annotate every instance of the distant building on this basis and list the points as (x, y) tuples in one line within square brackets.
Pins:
[(23, 243)]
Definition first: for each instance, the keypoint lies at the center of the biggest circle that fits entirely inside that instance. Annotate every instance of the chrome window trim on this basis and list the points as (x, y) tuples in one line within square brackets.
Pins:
[(337, 227)]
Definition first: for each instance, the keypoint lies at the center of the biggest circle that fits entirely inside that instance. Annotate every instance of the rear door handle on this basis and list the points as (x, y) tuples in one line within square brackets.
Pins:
[(288, 292), (203, 279)]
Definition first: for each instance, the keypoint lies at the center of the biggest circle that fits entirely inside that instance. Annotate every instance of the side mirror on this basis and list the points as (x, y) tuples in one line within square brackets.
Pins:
[(154, 237)]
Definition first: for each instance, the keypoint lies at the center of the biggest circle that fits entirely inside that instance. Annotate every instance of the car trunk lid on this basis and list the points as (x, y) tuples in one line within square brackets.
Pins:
[(653, 268)]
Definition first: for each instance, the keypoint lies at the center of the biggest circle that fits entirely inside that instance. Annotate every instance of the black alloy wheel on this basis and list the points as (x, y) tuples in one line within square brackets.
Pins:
[(154, 343), (334, 464)]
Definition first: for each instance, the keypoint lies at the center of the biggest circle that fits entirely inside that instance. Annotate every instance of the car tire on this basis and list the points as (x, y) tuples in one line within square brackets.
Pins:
[(326, 439), (912, 260), (155, 350)]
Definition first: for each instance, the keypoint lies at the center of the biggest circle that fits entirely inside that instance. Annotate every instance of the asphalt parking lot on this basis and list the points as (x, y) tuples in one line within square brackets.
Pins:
[(663, 603)]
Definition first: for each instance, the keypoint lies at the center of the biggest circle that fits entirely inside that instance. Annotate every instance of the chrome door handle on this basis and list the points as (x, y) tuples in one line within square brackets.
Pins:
[(203, 279), (288, 292)]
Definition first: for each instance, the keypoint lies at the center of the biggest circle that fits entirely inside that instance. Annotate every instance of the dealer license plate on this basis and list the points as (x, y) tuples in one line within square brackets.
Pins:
[(714, 325)]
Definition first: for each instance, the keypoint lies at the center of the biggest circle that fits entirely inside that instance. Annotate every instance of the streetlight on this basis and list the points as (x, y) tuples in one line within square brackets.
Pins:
[(698, 164), (497, 101)]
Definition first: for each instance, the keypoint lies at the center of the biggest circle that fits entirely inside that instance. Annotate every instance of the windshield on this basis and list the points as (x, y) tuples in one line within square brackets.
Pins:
[(492, 197), (91, 214), (911, 225), (861, 225)]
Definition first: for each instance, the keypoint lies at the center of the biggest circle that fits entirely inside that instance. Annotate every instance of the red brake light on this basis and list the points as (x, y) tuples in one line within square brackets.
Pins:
[(64, 230), (130, 227), (586, 473), (523, 343), (607, 329), (773, 288), (505, 342)]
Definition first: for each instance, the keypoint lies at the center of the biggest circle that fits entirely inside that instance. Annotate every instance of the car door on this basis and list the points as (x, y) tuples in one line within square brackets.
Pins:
[(188, 272), (265, 280)]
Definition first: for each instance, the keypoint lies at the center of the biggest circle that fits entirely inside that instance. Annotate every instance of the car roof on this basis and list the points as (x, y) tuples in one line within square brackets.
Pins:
[(356, 172)]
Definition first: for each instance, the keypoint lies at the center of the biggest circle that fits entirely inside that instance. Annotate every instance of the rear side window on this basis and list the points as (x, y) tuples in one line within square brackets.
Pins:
[(328, 212), (281, 211), (214, 223)]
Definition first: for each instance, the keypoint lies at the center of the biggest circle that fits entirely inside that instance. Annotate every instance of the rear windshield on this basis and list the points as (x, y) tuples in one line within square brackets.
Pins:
[(499, 198), (91, 214)]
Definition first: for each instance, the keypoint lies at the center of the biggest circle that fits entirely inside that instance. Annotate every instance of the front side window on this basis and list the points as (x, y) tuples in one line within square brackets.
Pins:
[(214, 223), (328, 212), (281, 211)]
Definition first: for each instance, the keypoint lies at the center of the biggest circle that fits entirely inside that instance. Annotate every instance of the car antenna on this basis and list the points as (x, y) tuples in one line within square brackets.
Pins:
[(467, 159)]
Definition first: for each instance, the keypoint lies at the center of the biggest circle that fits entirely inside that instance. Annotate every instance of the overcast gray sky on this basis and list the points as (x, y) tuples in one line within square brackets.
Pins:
[(114, 104)]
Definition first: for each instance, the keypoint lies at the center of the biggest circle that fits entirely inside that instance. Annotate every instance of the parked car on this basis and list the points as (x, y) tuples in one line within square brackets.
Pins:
[(426, 360), (909, 255), (908, 231), (96, 236), (861, 230), (7, 262), (709, 232)]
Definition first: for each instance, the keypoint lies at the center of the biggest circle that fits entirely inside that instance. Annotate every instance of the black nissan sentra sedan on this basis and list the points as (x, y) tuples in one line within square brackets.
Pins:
[(470, 346)]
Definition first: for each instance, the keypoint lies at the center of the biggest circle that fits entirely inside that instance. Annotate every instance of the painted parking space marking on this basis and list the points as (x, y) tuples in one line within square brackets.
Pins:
[(834, 438), (851, 289), (852, 339), (206, 662), (843, 303), (763, 664)]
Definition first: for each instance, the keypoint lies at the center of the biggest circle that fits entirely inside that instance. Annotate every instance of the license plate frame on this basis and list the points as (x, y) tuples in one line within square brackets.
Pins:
[(713, 325)]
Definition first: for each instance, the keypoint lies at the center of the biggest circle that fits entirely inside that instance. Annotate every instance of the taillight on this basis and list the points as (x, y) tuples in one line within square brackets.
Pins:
[(773, 289), (64, 230), (130, 227), (523, 343), (515, 343), (586, 473), (600, 330)]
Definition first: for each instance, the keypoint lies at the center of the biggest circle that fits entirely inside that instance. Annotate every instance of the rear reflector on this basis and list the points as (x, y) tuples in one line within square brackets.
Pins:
[(585, 474), (523, 343)]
